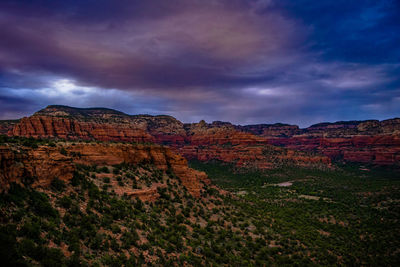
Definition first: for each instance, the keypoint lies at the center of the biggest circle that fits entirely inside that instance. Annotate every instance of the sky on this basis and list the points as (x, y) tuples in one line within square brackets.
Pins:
[(243, 61)]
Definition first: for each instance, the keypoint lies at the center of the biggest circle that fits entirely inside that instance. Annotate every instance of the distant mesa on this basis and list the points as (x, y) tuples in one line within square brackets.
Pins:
[(370, 141)]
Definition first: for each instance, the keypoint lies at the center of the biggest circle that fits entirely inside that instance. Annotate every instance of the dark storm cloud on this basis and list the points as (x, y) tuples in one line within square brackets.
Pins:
[(14, 107), (357, 31), (243, 61), (206, 46)]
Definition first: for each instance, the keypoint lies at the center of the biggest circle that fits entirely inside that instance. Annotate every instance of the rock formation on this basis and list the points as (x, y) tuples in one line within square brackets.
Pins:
[(43, 164), (222, 141), (376, 142), (202, 141), (40, 166), (359, 141), (7, 126)]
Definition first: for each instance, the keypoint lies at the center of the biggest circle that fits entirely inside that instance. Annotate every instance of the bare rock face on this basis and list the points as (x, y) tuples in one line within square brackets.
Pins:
[(44, 164), (255, 156), (369, 141), (7, 126), (40, 166), (275, 130), (216, 134), (203, 141), (66, 128), (224, 142), (162, 157), (96, 124)]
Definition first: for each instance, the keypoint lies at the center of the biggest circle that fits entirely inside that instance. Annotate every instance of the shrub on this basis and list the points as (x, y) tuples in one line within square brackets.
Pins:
[(65, 202), (63, 151), (77, 178), (104, 169), (30, 142), (115, 229), (57, 184), (8, 247), (39, 202)]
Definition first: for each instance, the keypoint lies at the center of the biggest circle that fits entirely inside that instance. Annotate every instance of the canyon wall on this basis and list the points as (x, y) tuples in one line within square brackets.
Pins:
[(376, 142), (69, 128), (7, 126), (43, 164), (202, 141), (370, 141)]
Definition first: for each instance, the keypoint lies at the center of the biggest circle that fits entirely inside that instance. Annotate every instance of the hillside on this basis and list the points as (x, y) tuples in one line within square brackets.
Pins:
[(113, 204)]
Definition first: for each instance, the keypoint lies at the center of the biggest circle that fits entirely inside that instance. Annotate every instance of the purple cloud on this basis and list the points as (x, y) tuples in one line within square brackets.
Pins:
[(243, 61)]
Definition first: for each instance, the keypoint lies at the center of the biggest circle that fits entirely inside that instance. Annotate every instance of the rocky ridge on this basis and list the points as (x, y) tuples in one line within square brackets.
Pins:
[(202, 141), (372, 141), (359, 141), (43, 164)]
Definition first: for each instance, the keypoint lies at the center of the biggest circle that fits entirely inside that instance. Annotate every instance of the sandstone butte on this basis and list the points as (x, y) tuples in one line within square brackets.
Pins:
[(376, 142), (45, 163)]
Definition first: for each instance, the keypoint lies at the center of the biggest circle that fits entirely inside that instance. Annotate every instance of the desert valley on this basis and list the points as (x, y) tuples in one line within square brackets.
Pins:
[(199, 133), (96, 186)]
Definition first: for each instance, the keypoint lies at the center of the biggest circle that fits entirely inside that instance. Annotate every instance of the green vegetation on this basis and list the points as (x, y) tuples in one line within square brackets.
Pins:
[(63, 151), (346, 216), (283, 217), (92, 221), (26, 141), (35, 142)]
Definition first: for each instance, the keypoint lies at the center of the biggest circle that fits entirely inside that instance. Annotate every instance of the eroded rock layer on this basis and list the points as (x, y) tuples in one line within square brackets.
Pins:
[(202, 141), (43, 164), (359, 141), (7, 126), (376, 142)]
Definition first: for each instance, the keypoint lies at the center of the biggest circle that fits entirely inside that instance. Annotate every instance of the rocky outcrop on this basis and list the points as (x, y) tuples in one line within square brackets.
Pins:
[(7, 125), (327, 129), (160, 156), (97, 124), (222, 141), (369, 141), (44, 164), (148, 194), (255, 156), (38, 166), (203, 141), (275, 130), (379, 149), (354, 128), (71, 129)]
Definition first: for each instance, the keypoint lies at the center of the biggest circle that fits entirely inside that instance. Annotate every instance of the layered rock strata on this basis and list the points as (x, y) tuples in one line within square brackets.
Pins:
[(43, 164), (370, 141)]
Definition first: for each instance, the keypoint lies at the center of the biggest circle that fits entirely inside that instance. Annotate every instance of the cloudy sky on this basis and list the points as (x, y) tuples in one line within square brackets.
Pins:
[(244, 61)]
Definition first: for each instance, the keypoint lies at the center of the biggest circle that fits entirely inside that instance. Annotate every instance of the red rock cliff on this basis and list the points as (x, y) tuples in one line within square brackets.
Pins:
[(45, 163), (219, 140), (369, 141), (360, 141), (66, 128)]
